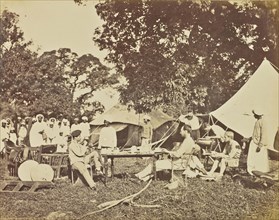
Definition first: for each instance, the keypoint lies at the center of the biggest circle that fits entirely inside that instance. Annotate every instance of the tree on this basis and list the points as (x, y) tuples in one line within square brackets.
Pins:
[(16, 59), (81, 75), (48, 83), (183, 52)]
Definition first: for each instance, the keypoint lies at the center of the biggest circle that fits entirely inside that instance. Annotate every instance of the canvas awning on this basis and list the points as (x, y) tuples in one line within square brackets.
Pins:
[(261, 90)]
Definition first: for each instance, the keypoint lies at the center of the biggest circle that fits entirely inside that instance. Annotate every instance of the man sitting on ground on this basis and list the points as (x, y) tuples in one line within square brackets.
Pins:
[(186, 148), (229, 157), (78, 159)]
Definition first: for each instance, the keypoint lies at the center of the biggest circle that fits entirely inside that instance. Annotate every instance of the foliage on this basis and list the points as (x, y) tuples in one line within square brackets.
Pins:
[(49, 83), (189, 53)]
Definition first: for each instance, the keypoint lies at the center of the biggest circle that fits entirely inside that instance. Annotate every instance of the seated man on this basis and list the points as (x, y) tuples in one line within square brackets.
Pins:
[(230, 155), (186, 148), (78, 159)]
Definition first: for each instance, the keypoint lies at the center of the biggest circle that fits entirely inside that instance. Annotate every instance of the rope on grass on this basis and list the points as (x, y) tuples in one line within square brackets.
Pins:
[(128, 199)]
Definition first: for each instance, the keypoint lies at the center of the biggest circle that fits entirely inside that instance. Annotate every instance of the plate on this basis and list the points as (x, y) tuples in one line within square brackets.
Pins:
[(24, 170), (42, 172)]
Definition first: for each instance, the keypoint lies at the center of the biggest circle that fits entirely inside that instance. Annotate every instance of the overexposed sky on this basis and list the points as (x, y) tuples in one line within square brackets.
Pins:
[(54, 24)]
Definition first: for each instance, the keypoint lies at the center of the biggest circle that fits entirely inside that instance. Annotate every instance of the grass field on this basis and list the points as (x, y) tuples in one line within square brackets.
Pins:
[(199, 200)]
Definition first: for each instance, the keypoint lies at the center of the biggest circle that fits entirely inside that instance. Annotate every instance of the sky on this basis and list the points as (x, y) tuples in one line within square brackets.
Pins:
[(55, 24)]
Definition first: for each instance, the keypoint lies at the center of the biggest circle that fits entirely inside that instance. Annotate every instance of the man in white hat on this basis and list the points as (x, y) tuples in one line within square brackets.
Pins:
[(257, 159), (51, 133), (13, 136), (107, 138), (54, 122), (37, 132), (75, 125), (147, 131), (65, 127), (22, 132), (62, 143), (4, 132), (85, 128)]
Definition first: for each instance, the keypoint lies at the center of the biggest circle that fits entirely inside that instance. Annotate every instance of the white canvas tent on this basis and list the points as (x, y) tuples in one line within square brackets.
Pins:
[(261, 90), (128, 125)]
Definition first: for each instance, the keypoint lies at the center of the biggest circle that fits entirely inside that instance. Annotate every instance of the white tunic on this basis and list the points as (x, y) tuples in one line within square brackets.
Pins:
[(85, 129), (62, 145), (75, 127), (107, 138), (52, 134), (194, 122), (4, 135), (36, 139)]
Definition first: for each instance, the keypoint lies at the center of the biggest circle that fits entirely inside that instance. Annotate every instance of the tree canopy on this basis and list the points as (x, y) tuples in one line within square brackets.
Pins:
[(186, 52), (50, 83)]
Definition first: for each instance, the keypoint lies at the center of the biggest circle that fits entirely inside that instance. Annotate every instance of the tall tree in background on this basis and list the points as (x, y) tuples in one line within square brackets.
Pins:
[(50, 83), (79, 75), (183, 52), (16, 59)]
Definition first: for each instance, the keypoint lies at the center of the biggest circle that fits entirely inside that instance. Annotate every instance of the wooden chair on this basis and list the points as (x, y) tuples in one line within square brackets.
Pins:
[(185, 160), (89, 168), (35, 153), (57, 161)]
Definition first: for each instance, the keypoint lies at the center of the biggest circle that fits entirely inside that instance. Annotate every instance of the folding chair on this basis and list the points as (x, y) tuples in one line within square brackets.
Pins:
[(185, 159)]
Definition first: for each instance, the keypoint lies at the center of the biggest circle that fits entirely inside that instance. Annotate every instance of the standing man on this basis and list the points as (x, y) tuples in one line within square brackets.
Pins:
[(37, 132), (85, 128), (147, 132), (4, 132), (65, 127), (78, 159), (62, 144), (51, 133), (108, 138), (192, 120), (22, 132), (257, 158), (75, 125)]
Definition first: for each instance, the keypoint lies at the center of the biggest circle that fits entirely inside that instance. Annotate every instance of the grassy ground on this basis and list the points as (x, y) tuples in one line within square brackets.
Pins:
[(199, 200)]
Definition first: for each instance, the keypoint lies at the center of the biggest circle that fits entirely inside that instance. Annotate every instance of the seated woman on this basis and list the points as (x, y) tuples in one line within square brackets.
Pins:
[(185, 149), (229, 157)]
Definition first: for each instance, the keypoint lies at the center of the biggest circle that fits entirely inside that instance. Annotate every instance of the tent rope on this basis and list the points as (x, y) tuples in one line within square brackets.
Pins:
[(168, 135), (274, 66)]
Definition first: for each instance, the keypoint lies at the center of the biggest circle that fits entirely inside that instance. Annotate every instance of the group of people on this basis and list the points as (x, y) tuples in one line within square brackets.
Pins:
[(187, 148), (257, 159), (53, 132), (39, 131)]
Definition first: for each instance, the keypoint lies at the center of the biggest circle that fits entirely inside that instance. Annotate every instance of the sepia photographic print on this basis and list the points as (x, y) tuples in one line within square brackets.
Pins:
[(139, 109)]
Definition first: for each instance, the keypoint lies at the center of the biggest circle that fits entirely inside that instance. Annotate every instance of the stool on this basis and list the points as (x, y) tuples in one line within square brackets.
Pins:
[(89, 168)]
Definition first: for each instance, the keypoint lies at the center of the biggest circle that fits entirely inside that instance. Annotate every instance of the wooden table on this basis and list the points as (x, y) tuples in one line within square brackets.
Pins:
[(112, 156)]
